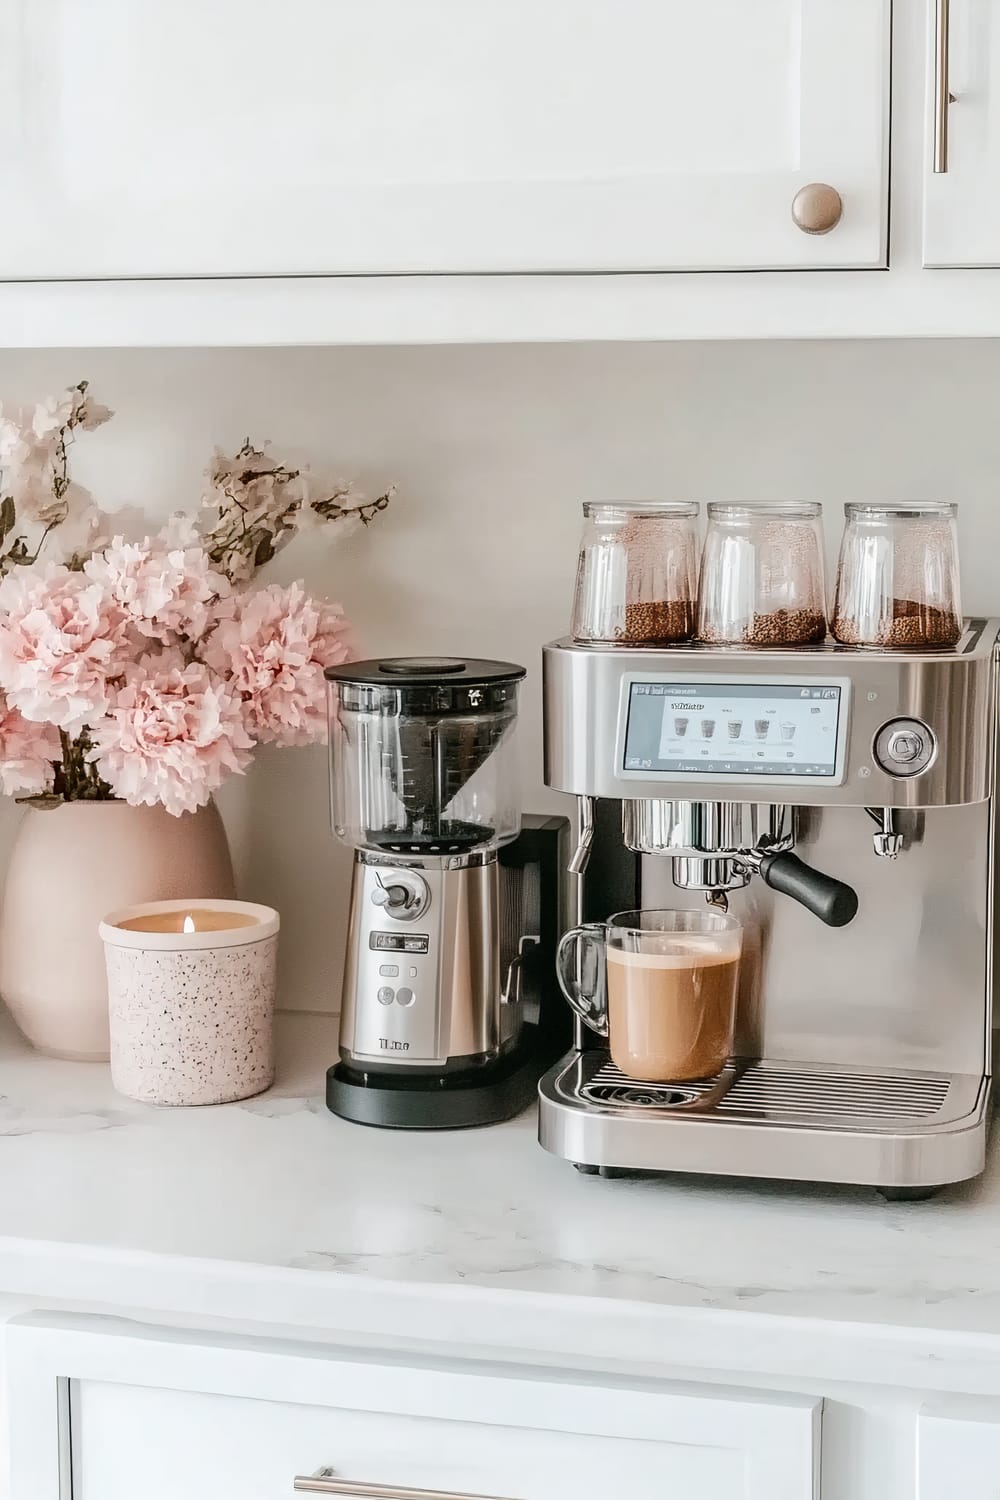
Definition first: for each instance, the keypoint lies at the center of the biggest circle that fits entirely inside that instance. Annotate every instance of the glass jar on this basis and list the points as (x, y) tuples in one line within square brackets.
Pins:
[(897, 579), (422, 754), (637, 578), (762, 575)]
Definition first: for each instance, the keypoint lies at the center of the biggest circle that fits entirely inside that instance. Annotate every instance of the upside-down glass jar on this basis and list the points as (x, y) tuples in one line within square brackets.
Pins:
[(897, 580), (762, 575), (637, 578)]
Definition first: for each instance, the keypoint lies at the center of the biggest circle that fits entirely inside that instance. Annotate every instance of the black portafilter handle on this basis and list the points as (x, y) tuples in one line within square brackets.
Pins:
[(831, 900)]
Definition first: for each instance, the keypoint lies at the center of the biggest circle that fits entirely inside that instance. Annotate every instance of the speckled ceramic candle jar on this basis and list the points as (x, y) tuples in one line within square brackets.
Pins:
[(191, 1011)]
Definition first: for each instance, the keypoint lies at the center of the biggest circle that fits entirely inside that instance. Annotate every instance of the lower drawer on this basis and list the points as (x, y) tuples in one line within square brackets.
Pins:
[(958, 1450), (164, 1415)]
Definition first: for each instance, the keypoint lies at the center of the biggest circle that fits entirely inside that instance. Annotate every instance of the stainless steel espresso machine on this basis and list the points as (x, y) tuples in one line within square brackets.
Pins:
[(863, 1049), (446, 1018)]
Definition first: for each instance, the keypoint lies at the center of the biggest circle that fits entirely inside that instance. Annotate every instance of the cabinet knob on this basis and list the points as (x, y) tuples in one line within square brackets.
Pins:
[(817, 208)]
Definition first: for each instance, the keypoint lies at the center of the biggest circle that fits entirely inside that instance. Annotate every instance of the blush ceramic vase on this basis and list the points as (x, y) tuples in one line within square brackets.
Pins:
[(70, 865)]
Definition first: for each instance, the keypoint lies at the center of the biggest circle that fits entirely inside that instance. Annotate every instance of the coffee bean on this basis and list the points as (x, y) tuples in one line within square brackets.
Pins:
[(780, 627), (910, 624), (657, 622)]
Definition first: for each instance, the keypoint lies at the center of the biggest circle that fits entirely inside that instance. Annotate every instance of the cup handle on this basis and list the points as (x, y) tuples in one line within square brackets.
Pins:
[(581, 969)]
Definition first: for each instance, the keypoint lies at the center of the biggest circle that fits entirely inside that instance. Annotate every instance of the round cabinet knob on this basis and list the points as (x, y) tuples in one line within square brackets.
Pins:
[(905, 747), (817, 208)]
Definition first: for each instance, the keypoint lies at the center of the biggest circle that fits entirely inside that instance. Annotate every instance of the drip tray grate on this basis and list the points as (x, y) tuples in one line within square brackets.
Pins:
[(772, 1090), (780, 1093)]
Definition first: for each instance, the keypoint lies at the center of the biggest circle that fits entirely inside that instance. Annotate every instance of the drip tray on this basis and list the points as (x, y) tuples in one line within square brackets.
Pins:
[(770, 1118)]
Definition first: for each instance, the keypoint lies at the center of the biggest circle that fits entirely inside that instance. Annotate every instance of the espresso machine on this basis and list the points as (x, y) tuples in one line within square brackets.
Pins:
[(455, 906), (841, 803)]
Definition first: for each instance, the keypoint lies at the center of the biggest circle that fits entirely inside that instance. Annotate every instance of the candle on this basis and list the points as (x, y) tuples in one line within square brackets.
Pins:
[(192, 919), (191, 1000)]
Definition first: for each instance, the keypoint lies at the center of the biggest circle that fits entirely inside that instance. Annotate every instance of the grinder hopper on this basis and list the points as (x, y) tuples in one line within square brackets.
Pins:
[(420, 754)]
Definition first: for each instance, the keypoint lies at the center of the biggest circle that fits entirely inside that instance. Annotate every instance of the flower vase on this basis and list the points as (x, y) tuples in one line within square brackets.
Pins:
[(70, 866)]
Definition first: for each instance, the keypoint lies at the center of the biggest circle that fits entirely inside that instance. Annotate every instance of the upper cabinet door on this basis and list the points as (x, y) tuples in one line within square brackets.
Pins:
[(329, 137), (961, 204)]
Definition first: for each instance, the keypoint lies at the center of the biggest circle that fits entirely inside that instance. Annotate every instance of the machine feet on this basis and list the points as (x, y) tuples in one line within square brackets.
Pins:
[(589, 1171), (907, 1194), (890, 1194)]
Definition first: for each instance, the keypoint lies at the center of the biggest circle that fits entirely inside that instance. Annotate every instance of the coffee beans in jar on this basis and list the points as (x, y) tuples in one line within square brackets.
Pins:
[(782, 627), (762, 576), (637, 577), (906, 623), (657, 622)]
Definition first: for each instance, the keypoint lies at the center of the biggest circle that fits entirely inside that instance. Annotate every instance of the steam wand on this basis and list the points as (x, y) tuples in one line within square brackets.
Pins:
[(887, 842)]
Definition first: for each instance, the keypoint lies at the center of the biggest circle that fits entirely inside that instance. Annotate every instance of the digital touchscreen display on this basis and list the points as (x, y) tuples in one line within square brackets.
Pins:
[(740, 729)]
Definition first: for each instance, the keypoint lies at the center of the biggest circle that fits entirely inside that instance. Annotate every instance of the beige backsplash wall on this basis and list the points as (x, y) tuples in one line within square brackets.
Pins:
[(493, 450)]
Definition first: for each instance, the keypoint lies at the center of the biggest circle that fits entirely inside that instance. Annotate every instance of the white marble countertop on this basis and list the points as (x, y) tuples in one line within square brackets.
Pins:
[(274, 1214)]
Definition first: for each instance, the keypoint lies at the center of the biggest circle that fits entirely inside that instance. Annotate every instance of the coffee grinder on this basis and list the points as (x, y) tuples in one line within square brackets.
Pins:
[(863, 1047), (455, 909)]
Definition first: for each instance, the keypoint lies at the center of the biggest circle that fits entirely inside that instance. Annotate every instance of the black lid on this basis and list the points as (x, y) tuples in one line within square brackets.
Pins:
[(425, 671)]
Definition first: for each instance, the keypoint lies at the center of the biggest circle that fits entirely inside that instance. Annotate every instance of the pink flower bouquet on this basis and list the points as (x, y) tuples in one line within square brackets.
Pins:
[(149, 671)]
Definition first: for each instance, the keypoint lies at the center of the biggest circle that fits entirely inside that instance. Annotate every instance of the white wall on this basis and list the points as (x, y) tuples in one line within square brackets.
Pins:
[(494, 450)]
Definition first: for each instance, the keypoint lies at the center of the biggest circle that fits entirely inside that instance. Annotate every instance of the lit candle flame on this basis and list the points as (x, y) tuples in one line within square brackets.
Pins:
[(188, 924)]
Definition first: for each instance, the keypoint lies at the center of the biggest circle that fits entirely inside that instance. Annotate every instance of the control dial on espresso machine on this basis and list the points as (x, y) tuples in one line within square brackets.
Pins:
[(905, 747)]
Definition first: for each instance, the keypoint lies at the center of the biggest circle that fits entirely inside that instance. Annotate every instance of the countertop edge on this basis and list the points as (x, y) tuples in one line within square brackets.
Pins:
[(478, 1323)]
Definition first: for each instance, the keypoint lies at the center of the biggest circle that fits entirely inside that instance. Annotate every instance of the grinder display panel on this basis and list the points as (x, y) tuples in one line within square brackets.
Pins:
[(792, 729)]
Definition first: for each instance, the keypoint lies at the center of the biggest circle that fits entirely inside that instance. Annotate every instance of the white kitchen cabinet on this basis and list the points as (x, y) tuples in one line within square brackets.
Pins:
[(108, 1411), (961, 204), (958, 1450), (212, 138)]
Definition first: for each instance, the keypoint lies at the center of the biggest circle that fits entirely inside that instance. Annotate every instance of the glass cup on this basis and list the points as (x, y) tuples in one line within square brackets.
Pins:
[(760, 728), (680, 726), (734, 728), (707, 728), (660, 985)]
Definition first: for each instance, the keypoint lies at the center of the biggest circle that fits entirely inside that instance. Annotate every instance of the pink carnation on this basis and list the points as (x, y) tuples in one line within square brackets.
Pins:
[(172, 735), (27, 752), (61, 639), (274, 648), (168, 591)]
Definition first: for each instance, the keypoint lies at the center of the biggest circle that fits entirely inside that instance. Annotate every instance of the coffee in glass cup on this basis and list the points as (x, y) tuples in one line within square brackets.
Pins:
[(661, 986)]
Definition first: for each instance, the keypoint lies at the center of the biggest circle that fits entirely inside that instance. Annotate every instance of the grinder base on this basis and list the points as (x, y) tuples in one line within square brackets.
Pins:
[(448, 1101)]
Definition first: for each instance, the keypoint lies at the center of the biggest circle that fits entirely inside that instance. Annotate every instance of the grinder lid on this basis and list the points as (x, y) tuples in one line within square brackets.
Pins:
[(425, 671)]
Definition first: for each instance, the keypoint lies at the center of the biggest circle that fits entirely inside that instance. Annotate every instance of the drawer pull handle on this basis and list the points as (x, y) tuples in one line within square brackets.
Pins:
[(942, 91), (325, 1482)]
